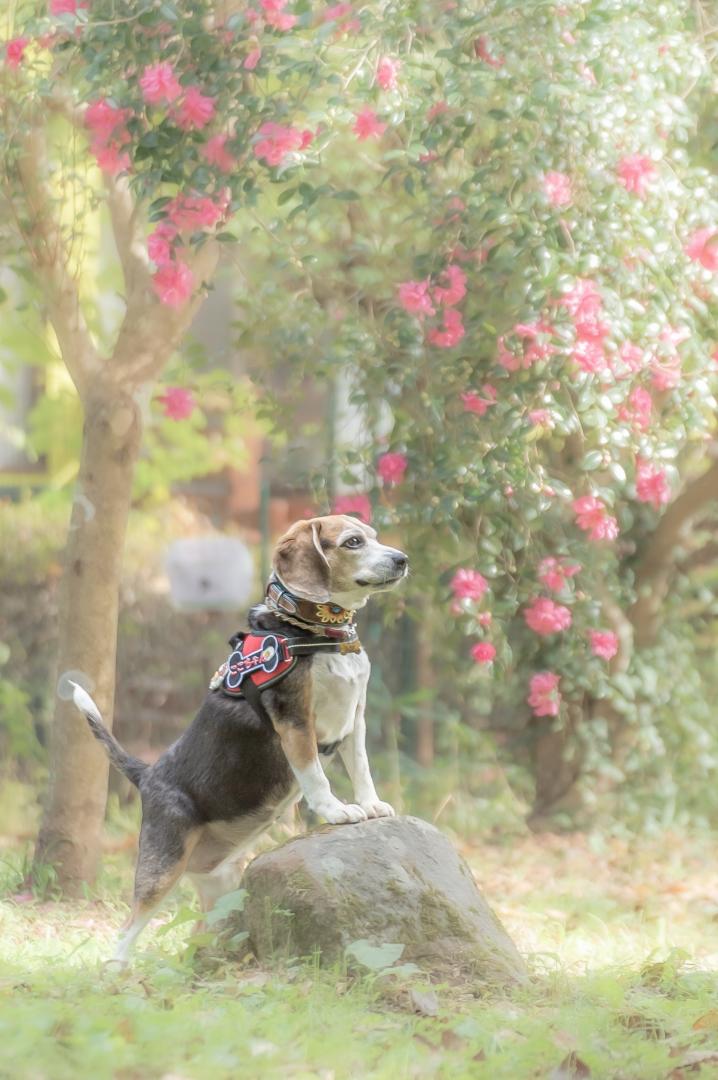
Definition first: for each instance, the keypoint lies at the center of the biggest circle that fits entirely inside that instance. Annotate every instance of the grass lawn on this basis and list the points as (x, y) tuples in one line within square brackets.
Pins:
[(621, 937)]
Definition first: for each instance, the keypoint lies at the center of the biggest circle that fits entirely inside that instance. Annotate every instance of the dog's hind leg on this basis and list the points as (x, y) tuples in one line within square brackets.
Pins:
[(166, 843)]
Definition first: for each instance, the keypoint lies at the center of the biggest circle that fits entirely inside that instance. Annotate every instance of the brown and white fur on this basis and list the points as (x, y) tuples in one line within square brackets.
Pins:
[(230, 775)]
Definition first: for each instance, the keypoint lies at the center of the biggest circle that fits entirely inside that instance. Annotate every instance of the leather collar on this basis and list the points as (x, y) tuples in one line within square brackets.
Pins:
[(328, 619)]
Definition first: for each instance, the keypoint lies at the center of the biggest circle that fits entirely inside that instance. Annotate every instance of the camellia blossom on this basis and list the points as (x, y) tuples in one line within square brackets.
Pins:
[(590, 357), (391, 467), (542, 418), (190, 213), (277, 141), (454, 291), (178, 402), (110, 156), (387, 71), (160, 84), (367, 124), (635, 171), (638, 409), (702, 248), (468, 584), (479, 405), (358, 505), (102, 118), (544, 616), (64, 7), (631, 358), (544, 696), (173, 282), (582, 300), (452, 332), (553, 572), (557, 188), (195, 110), (276, 16), (159, 243), (483, 652), (215, 152), (593, 518), (604, 643), (415, 298), (651, 484), (15, 50), (252, 59), (666, 375)]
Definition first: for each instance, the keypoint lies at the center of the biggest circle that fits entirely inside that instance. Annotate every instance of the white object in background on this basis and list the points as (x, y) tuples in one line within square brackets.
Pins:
[(209, 573)]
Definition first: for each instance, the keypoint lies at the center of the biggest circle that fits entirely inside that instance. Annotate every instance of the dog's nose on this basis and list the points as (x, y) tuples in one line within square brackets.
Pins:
[(400, 560)]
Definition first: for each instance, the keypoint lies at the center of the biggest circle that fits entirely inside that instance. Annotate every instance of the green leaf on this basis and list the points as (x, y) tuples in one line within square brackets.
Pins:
[(375, 957)]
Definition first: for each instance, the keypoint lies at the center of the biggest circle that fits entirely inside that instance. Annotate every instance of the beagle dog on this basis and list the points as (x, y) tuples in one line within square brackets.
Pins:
[(292, 692)]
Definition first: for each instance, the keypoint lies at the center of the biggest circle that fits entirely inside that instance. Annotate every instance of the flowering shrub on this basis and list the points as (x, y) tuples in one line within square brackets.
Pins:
[(542, 328)]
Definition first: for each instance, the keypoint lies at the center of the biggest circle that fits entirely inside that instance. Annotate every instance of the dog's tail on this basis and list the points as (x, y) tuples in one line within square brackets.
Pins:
[(131, 766)]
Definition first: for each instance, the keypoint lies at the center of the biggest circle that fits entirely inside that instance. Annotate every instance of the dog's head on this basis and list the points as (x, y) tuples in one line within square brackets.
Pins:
[(337, 558)]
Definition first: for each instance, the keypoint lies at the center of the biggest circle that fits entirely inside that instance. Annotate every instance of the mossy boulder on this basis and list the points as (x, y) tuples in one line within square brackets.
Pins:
[(386, 880)]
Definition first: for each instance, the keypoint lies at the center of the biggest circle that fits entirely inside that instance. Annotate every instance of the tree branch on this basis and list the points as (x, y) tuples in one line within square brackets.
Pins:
[(49, 253), (151, 331), (130, 246), (654, 570)]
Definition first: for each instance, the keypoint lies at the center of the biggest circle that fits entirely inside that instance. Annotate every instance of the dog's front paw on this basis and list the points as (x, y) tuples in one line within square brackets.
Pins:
[(339, 813), (377, 808)]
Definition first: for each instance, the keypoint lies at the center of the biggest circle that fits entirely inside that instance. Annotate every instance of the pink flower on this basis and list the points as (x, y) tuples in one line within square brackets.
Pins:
[(178, 402), (159, 83), (367, 124), (638, 409), (414, 297), (64, 7), (593, 518), (483, 652), (583, 300), (214, 151), (590, 357), (541, 418), (159, 243), (110, 156), (452, 332), (604, 643), (455, 290), (194, 111), (353, 504), (252, 59), (651, 484), (173, 282), (631, 357), (475, 404), (481, 49), (277, 141), (468, 584), (666, 375), (701, 249), (337, 11), (190, 213), (544, 697), (15, 50), (102, 118), (276, 16), (391, 468), (546, 617), (557, 188), (635, 171), (553, 573), (439, 109), (387, 71)]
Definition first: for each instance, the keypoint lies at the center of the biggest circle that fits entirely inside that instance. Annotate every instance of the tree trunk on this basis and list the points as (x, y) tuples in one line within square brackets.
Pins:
[(558, 763), (71, 831)]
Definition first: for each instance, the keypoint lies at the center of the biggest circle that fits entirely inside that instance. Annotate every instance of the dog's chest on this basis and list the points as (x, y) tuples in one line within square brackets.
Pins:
[(338, 685)]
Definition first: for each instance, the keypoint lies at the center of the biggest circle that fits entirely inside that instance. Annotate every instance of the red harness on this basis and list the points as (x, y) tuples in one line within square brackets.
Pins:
[(263, 658)]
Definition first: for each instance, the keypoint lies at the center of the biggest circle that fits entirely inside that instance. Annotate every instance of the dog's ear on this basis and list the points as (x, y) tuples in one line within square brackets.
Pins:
[(301, 563)]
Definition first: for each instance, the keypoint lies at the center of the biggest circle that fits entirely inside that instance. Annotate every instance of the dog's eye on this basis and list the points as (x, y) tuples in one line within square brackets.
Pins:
[(353, 542)]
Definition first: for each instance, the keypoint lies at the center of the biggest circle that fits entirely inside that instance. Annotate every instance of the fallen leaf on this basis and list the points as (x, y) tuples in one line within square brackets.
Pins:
[(707, 1022), (451, 1041), (424, 1002), (571, 1068)]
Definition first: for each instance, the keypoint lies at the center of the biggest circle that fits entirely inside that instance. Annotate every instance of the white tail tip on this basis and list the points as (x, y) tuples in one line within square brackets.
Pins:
[(84, 702)]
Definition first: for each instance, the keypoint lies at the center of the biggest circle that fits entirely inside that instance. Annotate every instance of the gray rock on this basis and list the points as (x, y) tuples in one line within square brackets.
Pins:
[(386, 880)]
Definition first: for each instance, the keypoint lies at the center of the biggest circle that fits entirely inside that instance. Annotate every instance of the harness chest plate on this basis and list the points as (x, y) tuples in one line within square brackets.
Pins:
[(262, 658)]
